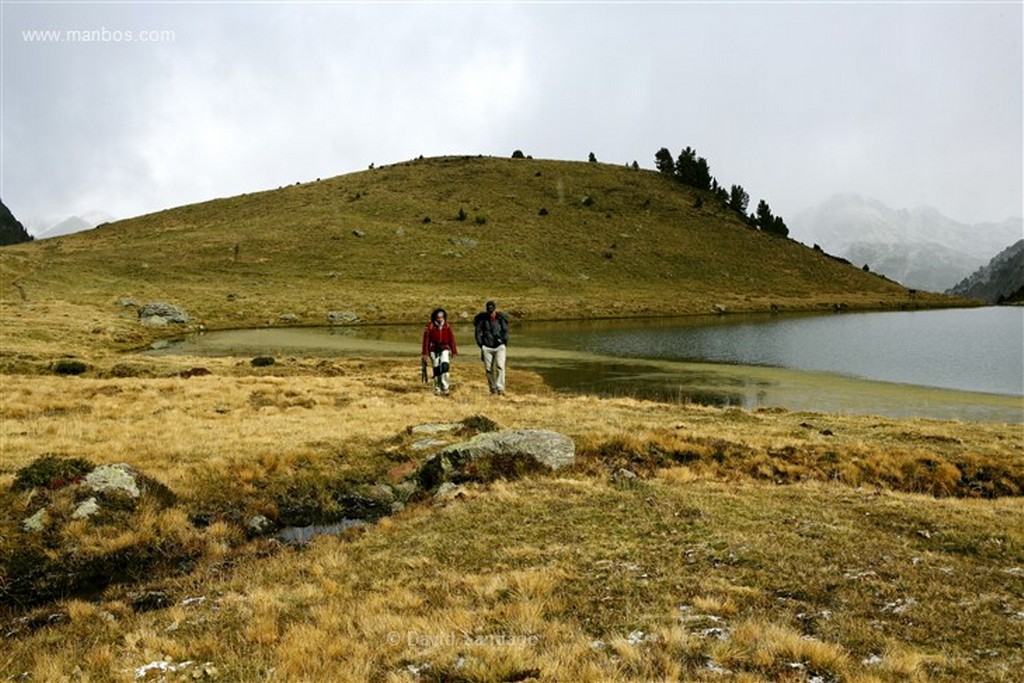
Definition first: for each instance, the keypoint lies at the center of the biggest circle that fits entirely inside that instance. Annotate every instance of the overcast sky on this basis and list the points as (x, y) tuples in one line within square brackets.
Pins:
[(912, 104)]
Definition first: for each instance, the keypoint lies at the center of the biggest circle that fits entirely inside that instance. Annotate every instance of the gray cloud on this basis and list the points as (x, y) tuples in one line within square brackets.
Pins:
[(912, 104)]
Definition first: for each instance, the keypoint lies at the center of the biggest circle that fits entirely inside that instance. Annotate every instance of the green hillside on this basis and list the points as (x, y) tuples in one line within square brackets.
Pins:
[(548, 239)]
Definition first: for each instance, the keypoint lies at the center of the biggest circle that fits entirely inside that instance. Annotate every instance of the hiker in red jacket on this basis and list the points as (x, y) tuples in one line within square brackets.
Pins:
[(439, 347)]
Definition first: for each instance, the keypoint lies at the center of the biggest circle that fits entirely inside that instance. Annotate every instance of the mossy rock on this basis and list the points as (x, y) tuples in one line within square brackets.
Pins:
[(498, 455)]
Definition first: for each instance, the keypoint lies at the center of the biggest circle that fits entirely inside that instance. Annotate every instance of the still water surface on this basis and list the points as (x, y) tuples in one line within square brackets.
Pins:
[(953, 364), (979, 349)]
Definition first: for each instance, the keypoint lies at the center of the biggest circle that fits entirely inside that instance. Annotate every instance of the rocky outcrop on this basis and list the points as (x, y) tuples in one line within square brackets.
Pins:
[(1001, 281), (69, 509), (11, 229), (107, 487), (497, 455), (160, 314)]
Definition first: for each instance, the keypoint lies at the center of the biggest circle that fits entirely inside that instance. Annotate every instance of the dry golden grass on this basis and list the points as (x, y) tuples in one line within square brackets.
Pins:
[(737, 550), (620, 586)]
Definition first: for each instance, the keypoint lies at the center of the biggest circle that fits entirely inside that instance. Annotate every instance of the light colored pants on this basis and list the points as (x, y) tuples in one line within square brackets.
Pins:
[(494, 367), (441, 361)]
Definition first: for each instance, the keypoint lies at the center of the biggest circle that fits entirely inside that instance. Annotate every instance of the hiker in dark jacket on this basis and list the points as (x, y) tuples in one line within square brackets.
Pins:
[(491, 330), (439, 347)]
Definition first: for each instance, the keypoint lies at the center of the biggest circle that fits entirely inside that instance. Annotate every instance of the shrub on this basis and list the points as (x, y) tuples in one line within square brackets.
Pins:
[(480, 219), (129, 370), (479, 423), (262, 361), (518, 154), (52, 472), (69, 367)]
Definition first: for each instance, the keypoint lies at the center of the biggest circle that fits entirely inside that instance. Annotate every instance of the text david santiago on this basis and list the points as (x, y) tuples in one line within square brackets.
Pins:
[(459, 638)]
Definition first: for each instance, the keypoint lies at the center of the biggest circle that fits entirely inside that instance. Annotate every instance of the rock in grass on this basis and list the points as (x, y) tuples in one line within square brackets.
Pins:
[(498, 455), (342, 317), (159, 313)]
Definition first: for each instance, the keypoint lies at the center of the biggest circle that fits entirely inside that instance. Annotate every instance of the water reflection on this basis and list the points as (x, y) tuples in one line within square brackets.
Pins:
[(616, 379)]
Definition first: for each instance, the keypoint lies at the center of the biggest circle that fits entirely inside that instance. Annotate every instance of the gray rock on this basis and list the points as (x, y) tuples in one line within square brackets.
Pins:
[(257, 525), (36, 522), (406, 489), (622, 475), (119, 477), (424, 444), (435, 428), (169, 312), (154, 321), (498, 455), (380, 493), (128, 303), (86, 509), (449, 491), (288, 317), (342, 317)]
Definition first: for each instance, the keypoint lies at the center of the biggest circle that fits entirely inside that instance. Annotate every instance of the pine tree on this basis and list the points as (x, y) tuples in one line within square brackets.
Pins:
[(738, 199), (663, 162)]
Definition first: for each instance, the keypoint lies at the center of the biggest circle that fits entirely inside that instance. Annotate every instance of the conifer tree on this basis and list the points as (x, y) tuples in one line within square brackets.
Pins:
[(663, 161)]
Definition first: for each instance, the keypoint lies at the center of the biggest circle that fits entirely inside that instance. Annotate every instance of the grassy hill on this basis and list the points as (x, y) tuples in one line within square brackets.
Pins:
[(548, 239)]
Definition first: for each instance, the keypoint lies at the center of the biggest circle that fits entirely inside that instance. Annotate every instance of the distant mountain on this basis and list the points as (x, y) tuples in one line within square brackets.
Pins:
[(1001, 281), (75, 224), (11, 230), (919, 248)]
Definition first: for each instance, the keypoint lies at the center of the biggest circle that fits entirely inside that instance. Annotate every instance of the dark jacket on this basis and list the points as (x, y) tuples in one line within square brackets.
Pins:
[(491, 332)]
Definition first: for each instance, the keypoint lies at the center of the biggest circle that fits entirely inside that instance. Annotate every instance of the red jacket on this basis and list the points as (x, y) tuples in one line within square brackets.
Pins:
[(438, 338)]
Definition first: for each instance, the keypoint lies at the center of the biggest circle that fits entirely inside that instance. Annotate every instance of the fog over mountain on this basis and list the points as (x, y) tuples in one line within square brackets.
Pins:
[(919, 247), (73, 224)]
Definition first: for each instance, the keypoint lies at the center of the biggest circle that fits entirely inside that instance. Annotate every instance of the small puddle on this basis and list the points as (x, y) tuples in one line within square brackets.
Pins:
[(301, 535)]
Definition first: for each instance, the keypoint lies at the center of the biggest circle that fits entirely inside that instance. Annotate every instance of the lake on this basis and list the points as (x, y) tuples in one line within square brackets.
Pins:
[(951, 363)]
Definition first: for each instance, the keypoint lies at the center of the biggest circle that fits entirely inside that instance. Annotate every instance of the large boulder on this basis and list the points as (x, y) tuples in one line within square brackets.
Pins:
[(498, 455), (159, 314)]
